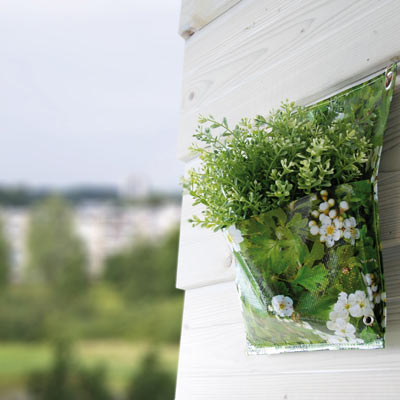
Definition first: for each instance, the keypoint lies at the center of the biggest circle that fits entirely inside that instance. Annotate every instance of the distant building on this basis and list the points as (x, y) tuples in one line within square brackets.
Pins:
[(15, 222), (104, 228), (135, 187)]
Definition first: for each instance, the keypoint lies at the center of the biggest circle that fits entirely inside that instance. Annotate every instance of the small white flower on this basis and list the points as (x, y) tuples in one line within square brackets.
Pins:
[(283, 305), (324, 194), (311, 223), (334, 325), (344, 205), (383, 297), (339, 314), (348, 331), (332, 213), (325, 220), (370, 280), (315, 213), (350, 231), (350, 222), (359, 304), (337, 319), (338, 221), (323, 207), (342, 305), (314, 230), (234, 237), (331, 202), (367, 279), (329, 234)]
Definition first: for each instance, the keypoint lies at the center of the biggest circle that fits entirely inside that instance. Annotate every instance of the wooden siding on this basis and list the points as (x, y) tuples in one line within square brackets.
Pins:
[(196, 14), (244, 62)]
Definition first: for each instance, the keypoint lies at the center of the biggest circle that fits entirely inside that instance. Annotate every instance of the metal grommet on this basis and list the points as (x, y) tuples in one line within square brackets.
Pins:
[(368, 320), (388, 79)]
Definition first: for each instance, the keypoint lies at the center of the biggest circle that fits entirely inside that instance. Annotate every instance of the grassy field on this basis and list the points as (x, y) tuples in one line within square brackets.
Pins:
[(120, 359)]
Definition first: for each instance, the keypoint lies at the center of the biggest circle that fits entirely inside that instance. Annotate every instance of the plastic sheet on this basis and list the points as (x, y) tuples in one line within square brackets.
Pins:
[(310, 275)]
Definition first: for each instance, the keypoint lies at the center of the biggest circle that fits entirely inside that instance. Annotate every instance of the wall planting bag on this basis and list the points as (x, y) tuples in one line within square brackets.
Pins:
[(295, 194)]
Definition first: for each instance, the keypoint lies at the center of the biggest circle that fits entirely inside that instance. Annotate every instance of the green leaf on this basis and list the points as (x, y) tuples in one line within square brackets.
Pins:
[(316, 254), (344, 253), (368, 335), (297, 223), (312, 306), (312, 279), (279, 214)]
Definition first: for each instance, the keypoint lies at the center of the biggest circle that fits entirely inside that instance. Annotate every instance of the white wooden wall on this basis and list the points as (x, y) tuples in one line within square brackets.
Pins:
[(243, 58)]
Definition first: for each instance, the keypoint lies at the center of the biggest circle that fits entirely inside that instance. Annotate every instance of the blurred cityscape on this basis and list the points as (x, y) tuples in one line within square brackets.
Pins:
[(88, 305), (105, 220)]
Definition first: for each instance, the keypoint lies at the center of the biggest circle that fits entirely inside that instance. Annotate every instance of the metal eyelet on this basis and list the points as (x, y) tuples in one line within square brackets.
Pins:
[(388, 79), (368, 320)]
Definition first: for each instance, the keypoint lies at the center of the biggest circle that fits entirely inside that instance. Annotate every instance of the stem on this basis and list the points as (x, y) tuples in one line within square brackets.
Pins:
[(272, 163)]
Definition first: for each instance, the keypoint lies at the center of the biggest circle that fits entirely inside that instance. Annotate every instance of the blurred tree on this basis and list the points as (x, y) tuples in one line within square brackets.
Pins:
[(166, 263), (56, 254), (147, 269), (66, 380), (151, 381), (5, 267)]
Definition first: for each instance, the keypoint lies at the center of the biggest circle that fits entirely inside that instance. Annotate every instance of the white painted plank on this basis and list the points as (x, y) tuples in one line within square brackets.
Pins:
[(195, 14), (244, 63), (353, 385), (204, 257), (261, 52), (213, 350)]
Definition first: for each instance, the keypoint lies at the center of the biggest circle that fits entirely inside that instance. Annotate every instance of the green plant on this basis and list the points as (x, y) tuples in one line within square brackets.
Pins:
[(129, 269), (296, 196), (67, 380), (57, 256), (267, 162), (151, 382)]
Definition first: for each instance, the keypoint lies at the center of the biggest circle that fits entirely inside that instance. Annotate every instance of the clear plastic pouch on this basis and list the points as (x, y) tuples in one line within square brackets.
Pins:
[(310, 275)]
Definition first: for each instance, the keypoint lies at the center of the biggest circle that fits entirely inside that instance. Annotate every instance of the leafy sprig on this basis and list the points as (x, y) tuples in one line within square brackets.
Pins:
[(267, 162)]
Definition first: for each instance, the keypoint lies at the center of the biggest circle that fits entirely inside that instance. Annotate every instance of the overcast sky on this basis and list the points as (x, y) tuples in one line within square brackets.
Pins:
[(89, 91)]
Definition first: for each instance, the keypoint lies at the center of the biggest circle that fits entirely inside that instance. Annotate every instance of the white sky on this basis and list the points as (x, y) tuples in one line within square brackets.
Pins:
[(89, 91)]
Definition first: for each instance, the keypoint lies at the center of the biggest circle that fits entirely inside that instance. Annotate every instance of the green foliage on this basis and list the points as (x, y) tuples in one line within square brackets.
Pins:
[(151, 382), (315, 307), (23, 312), (266, 162), (282, 257), (66, 380), (136, 300), (312, 279), (56, 254), (34, 313), (279, 254), (368, 335), (147, 269)]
